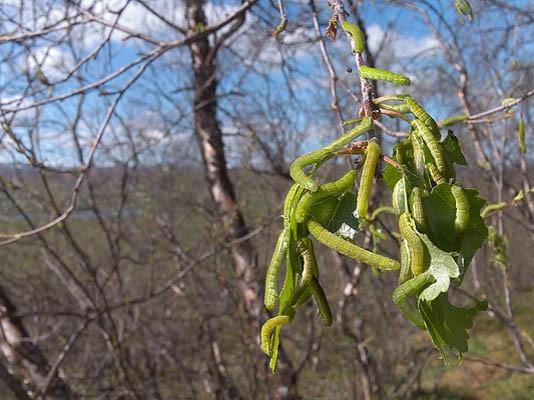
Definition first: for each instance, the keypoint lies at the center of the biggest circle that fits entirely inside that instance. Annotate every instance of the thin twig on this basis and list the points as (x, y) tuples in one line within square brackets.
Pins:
[(13, 237), (528, 94), (366, 85), (61, 356), (283, 19), (330, 67)]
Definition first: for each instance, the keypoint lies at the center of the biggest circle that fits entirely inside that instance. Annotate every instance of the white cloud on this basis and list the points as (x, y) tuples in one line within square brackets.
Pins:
[(401, 45), (137, 18), (52, 62)]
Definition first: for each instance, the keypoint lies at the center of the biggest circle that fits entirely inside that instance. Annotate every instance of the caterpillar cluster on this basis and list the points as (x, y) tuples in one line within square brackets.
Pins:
[(423, 153), (422, 162), (296, 249)]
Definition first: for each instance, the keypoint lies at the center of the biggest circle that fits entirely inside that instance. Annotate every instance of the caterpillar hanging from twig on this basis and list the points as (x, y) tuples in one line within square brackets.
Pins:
[(296, 169), (410, 288), (358, 42), (267, 331), (372, 154), (271, 278)]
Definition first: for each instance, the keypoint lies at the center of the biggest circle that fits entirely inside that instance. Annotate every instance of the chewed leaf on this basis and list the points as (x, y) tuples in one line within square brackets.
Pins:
[(443, 267), (440, 213), (452, 149), (448, 324)]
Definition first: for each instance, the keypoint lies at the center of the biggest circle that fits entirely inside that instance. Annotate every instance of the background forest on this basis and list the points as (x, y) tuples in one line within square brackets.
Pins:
[(144, 158)]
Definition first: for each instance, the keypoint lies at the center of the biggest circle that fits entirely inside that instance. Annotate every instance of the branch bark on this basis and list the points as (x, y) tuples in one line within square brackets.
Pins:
[(26, 367)]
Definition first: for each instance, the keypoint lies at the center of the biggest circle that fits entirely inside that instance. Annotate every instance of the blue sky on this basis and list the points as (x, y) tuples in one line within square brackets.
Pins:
[(144, 106)]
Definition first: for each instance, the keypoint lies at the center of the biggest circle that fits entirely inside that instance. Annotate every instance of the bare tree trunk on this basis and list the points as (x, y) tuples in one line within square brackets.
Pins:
[(26, 370), (209, 137)]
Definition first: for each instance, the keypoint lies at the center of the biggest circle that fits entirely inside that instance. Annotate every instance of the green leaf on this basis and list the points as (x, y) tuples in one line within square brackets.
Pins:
[(476, 232), (337, 214), (344, 214), (402, 152), (296, 229), (324, 210), (391, 176), (448, 324), (440, 209), (442, 266), (290, 281), (453, 152), (275, 345), (440, 212)]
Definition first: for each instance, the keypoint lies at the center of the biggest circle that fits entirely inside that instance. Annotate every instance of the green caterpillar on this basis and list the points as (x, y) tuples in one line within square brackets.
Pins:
[(267, 330), (418, 155), (405, 272), (492, 207), (382, 210), (419, 113), (434, 174), (292, 198), (332, 189), (399, 197), (462, 209), (271, 279), (414, 243), (350, 250), (383, 75), (409, 288), (296, 169), (372, 154), (365, 125), (464, 8), (418, 213), (452, 120), (400, 108), (302, 296), (309, 269), (322, 303), (432, 144), (357, 35)]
